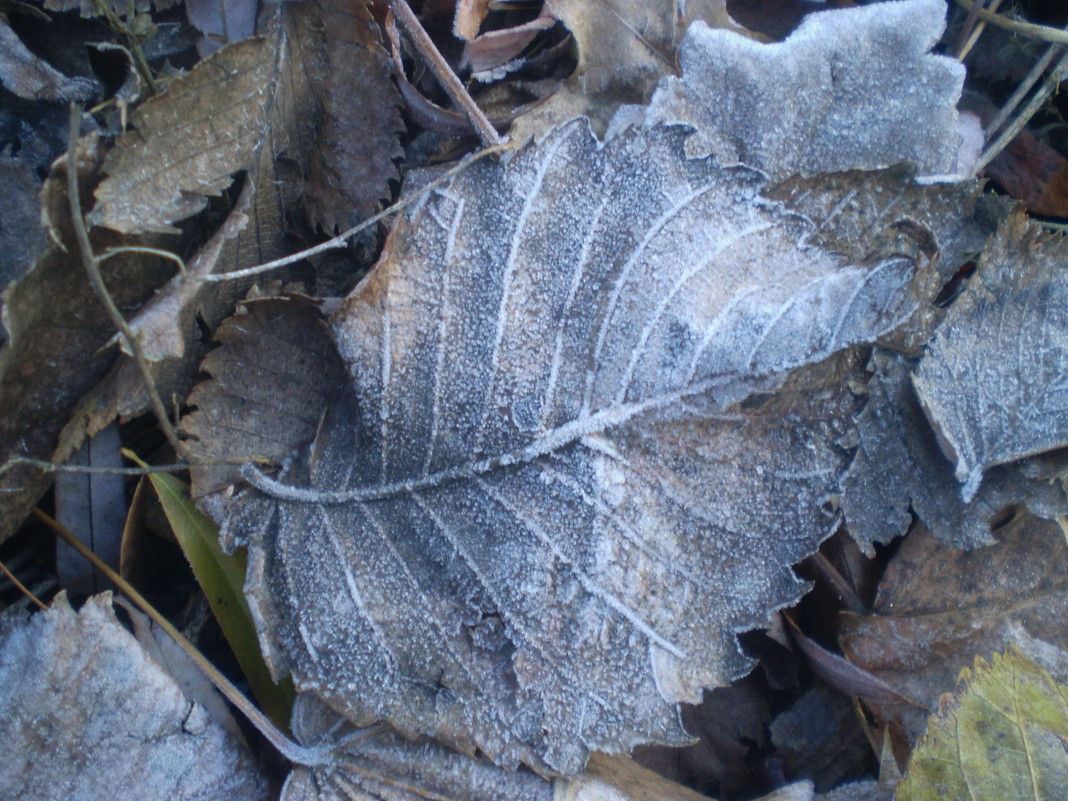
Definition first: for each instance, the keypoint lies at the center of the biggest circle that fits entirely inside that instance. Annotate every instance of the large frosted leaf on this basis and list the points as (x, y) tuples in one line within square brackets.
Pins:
[(873, 96), (539, 521), (994, 379)]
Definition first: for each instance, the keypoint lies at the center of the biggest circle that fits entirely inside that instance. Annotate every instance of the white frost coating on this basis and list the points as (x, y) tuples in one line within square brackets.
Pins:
[(849, 89), (552, 545)]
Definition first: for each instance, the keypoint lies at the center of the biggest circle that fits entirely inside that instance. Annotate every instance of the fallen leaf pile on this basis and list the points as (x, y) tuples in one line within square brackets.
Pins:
[(512, 499)]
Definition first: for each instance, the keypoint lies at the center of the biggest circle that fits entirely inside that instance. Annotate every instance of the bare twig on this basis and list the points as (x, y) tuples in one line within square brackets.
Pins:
[(342, 239), (289, 749), (441, 69), (163, 254), (1029, 29), (89, 261), (1025, 86), (1037, 101), (52, 467), (966, 48), (21, 587)]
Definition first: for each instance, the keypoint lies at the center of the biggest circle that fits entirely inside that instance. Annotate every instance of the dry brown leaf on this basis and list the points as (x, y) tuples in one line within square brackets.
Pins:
[(624, 48), (273, 378), (56, 329), (938, 608), (993, 382), (358, 121), (86, 713), (189, 141), (478, 443), (290, 92)]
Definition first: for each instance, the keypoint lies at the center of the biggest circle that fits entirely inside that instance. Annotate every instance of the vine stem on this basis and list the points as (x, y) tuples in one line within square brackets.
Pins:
[(92, 267)]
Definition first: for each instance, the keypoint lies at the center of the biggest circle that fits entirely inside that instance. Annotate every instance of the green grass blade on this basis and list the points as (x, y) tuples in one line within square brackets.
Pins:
[(222, 577)]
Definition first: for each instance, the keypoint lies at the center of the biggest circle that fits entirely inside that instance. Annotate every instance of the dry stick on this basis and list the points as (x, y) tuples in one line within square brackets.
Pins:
[(441, 69), (1025, 86), (1043, 32), (52, 467), (21, 587), (1041, 96), (289, 749), (967, 28), (93, 269), (341, 239), (977, 32)]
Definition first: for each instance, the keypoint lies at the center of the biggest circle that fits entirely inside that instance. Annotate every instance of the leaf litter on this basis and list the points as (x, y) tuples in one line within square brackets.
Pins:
[(672, 473), (548, 391)]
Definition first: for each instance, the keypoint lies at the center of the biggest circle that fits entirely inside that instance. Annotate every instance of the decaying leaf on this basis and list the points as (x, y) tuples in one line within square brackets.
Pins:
[(85, 713), (873, 95), (624, 48), (544, 365), (1001, 735), (900, 466), (189, 141), (351, 162), (287, 92), (271, 383), (938, 608), (378, 764), (57, 331), (993, 380)]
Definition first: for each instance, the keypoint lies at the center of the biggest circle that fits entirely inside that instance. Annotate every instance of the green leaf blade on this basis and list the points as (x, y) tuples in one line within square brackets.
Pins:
[(221, 576)]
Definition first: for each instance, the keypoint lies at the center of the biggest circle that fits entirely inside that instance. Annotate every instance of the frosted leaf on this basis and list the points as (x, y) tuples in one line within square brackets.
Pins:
[(994, 382), (379, 765), (899, 465), (86, 713), (849, 89), (543, 515)]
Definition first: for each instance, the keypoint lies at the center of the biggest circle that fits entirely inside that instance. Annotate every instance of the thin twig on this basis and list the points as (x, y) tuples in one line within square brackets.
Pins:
[(1029, 29), (21, 587), (52, 467), (1025, 86), (289, 749), (967, 29), (163, 254), (1009, 133), (977, 32), (441, 69), (93, 269), (341, 239)]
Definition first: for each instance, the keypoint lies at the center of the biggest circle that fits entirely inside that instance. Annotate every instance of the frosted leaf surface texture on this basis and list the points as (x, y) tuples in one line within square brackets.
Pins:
[(546, 514), (86, 713), (849, 89), (994, 381)]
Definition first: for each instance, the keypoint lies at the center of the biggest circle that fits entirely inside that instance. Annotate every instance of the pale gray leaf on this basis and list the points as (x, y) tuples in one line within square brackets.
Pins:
[(994, 382), (85, 713), (849, 89), (540, 521), (899, 467), (377, 764)]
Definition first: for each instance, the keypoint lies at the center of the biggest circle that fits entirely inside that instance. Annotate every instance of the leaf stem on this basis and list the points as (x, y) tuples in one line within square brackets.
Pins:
[(341, 239), (1029, 29), (92, 267)]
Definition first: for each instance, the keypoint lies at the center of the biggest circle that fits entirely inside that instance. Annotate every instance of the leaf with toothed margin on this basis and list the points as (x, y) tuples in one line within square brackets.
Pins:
[(598, 393)]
